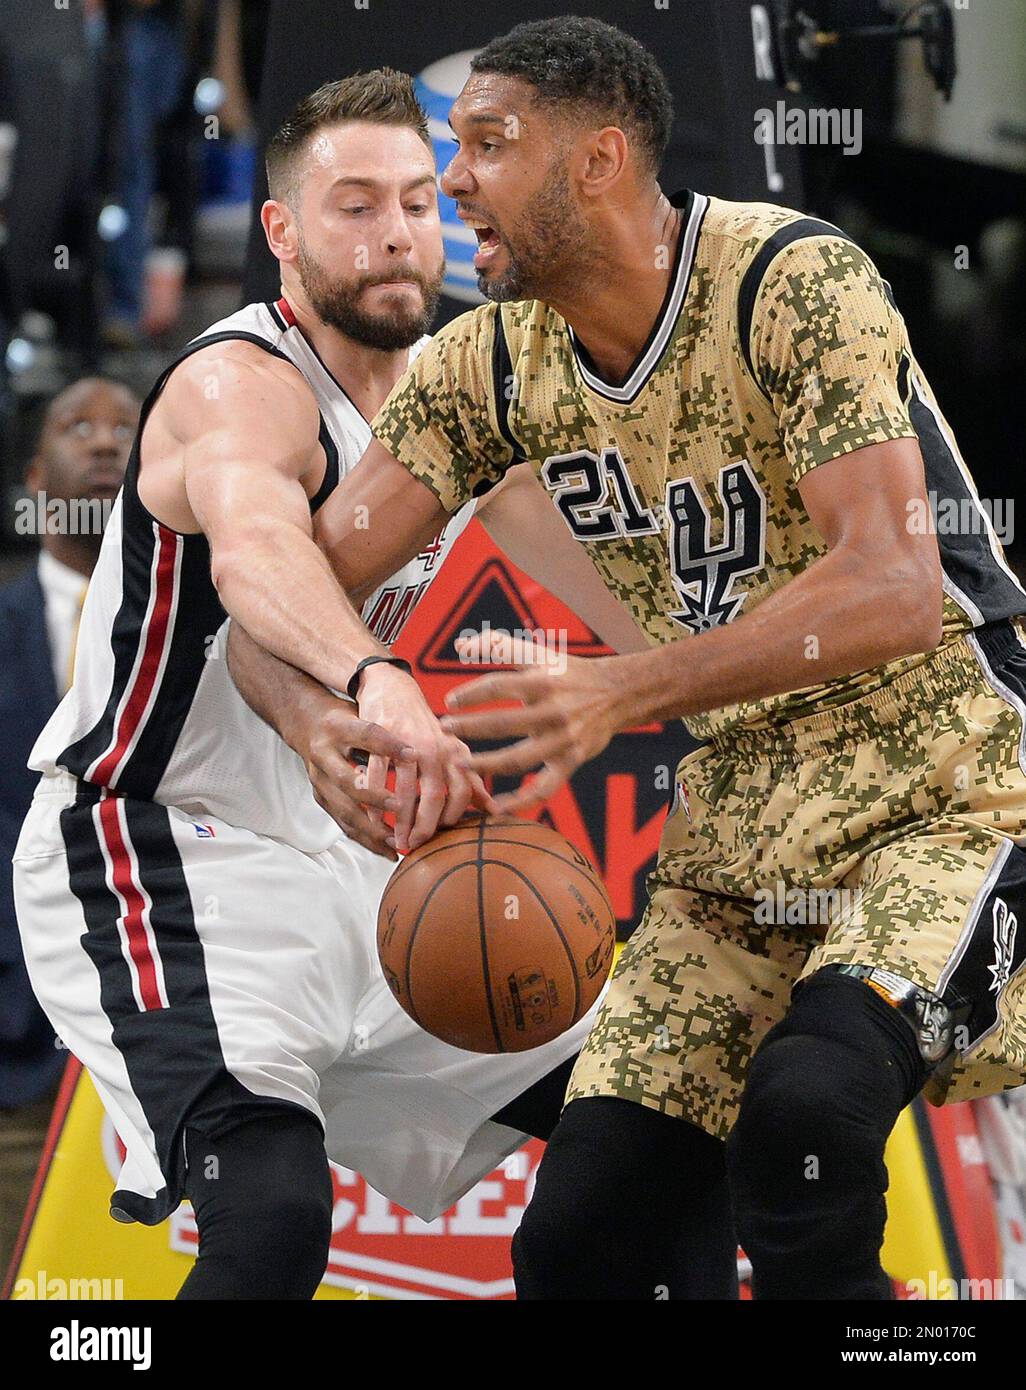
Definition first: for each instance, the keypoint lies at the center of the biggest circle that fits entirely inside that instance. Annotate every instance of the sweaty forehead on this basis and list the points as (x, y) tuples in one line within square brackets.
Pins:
[(496, 96), (322, 152), (366, 149)]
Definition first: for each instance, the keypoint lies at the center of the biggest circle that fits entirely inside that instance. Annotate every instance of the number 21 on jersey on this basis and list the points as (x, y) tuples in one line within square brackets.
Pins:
[(597, 498)]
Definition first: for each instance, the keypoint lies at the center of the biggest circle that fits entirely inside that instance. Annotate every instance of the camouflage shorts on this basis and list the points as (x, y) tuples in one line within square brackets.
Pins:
[(880, 834)]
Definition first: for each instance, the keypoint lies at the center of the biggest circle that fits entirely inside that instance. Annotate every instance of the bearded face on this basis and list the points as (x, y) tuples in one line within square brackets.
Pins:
[(397, 321), (548, 247)]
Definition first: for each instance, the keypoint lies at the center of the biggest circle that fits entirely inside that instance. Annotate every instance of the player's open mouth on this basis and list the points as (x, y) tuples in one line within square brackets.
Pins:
[(488, 242)]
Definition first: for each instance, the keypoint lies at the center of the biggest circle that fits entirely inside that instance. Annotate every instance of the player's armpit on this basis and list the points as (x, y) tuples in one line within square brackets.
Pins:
[(379, 517), (521, 519)]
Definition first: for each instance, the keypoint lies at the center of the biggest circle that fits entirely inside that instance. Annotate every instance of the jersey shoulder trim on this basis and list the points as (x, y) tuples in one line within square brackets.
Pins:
[(281, 311), (282, 314), (503, 387), (332, 469), (752, 279)]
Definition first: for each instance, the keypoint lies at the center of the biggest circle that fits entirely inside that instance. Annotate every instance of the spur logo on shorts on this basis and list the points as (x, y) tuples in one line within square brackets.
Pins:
[(1005, 927)]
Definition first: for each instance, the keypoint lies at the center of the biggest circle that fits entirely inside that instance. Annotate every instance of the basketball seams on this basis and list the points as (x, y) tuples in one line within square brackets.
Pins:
[(483, 933), (413, 935), (473, 836), (502, 863), (477, 848)]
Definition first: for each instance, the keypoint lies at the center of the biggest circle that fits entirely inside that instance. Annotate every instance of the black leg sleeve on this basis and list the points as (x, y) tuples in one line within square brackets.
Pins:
[(806, 1157), (262, 1196), (628, 1204), (536, 1110)]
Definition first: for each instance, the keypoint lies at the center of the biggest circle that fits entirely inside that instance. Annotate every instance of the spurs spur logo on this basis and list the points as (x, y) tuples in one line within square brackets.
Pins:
[(703, 573), (1005, 925)]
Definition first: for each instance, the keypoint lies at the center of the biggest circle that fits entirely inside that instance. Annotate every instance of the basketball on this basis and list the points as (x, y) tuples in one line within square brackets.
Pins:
[(496, 935)]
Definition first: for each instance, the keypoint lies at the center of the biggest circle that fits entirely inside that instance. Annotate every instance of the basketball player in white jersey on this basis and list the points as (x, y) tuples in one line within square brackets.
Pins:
[(198, 932)]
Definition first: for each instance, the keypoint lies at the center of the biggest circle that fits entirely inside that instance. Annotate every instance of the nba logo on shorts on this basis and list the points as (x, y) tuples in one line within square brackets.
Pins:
[(203, 832), (681, 800)]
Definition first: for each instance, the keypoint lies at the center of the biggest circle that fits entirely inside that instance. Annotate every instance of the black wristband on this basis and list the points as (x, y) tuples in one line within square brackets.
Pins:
[(353, 685)]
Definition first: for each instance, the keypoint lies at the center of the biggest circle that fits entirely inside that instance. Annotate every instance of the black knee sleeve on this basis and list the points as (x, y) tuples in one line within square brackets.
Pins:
[(806, 1157), (628, 1204), (262, 1196)]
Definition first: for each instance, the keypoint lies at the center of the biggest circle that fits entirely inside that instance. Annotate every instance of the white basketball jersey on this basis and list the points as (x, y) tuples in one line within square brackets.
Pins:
[(153, 712)]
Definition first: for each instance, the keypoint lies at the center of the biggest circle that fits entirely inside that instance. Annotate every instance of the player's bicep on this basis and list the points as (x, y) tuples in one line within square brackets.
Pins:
[(379, 517), (247, 449), (865, 503), (234, 493)]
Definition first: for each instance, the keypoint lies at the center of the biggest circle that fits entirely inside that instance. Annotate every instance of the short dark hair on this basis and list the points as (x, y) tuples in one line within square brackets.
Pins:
[(573, 61), (382, 96)]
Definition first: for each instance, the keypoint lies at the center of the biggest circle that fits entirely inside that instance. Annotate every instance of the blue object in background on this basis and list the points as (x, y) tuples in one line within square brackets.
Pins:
[(153, 55), (229, 167), (437, 87)]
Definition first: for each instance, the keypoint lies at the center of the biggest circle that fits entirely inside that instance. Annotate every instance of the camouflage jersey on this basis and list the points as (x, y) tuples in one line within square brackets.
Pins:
[(777, 348)]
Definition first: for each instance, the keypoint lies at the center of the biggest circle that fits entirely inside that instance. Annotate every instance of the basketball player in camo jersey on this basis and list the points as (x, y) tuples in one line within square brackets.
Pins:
[(723, 403)]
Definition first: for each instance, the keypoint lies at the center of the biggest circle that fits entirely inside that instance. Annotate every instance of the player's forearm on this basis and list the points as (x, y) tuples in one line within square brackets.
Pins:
[(831, 621), (275, 583), (284, 697)]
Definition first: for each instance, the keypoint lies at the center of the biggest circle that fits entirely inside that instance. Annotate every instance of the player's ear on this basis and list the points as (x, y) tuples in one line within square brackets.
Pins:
[(604, 159), (280, 230)]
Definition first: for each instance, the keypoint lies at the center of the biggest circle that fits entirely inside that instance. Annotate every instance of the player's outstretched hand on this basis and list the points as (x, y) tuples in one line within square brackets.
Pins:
[(570, 707), (433, 787)]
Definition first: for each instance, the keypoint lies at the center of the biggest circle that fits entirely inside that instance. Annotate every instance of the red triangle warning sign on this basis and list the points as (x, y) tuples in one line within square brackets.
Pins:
[(494, 597)]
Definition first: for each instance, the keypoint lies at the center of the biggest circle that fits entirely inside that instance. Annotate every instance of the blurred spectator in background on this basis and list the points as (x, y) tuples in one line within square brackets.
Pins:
[(237, 53), (162, 140), (82, 452), (51, 147), (150, 38)]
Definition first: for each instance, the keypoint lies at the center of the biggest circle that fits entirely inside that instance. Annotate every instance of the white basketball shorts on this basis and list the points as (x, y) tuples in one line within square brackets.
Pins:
[(200, 972)]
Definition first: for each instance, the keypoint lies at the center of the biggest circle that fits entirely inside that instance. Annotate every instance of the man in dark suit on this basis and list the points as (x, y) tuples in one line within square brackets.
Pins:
[(80, 457)]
